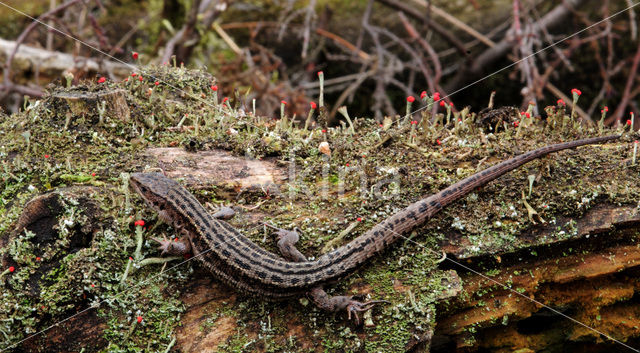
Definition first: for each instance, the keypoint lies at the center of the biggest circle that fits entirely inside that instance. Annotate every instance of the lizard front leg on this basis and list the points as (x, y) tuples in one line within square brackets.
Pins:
[(286, 241), (182, 246)]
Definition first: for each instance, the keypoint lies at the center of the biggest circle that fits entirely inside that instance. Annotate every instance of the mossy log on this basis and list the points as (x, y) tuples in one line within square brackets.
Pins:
[(77, 245)]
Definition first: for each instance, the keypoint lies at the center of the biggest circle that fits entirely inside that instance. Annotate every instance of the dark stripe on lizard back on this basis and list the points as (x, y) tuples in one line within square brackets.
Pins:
[(254, 266)]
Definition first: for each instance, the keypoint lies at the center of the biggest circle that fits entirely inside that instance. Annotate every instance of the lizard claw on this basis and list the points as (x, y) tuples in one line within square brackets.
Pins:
[(164, 246), (169, 247), (354, 307)]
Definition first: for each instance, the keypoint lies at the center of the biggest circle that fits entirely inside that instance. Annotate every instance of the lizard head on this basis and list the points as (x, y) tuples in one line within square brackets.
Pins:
[(154, 189)]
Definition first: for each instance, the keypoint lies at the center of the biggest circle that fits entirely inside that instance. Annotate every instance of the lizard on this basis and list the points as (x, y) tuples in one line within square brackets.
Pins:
[(236, 260)]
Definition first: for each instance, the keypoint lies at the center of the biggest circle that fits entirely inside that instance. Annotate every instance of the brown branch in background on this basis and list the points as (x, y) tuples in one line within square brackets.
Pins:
[(349, 91), (553, 18), (99, 31), (383, 75), (7, 66), (425, 45), (200, 15), (24, 90), (633, 28), (306, 33), (117, 48), (626, 96), (438, 28), (343, 42), (322, 32)]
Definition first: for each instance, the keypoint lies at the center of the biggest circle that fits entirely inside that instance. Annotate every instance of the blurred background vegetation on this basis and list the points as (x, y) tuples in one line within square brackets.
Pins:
[(373, 53)]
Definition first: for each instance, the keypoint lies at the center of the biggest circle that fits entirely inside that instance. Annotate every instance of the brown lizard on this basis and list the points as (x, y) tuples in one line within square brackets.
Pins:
[(237, 261)]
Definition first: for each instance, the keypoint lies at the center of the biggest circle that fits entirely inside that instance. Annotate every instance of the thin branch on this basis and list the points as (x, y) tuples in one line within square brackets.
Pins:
[(554, 17), (626, 96), (25, 33), (438, 28), (425, 45)]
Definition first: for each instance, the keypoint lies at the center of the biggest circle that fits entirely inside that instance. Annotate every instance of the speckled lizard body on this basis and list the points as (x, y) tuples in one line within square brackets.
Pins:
[(236, 260)]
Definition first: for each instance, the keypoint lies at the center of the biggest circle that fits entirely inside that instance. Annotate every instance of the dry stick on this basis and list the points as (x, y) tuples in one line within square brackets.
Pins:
[(319, 31), (525, 47), (547, 36), (352, 88), (632, 21), (438, 28), (49, 45), (99, 31), (426, 72), (454, 21), (7, 66), (343, 42), (201, 15), (125, 38), (227, 39), (433, 86), (81, 17), (498, 50), (413, 33), (306, 32), (626, 96), (365, 18)]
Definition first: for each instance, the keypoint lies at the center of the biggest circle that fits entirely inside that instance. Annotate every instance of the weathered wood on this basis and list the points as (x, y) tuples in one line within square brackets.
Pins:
[(52, 64)]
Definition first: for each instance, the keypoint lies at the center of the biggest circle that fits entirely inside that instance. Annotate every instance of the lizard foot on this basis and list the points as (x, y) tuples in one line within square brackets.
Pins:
[(341, 302), (354, 307), (169, 247)]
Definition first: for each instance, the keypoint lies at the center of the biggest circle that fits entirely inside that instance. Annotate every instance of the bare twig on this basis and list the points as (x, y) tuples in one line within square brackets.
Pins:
[(310, 13), (336, 38), (438, 28), (454, 21), (428, 48), (554, 17), (626, 96), (21, 38), (633, 28)]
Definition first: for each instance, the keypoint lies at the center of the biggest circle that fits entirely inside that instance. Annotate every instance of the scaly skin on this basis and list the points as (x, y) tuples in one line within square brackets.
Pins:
[(239, 262)]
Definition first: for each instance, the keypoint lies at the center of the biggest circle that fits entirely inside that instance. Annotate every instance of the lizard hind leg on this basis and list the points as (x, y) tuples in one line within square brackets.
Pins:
[(286, 244), (341, 302)]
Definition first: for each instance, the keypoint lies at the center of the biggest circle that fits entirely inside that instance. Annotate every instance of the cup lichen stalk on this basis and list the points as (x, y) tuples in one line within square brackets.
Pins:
[(126, 271), (137, 255), (311, 111), (27, 136), (102, 109), (321, 97), (603, 114), (214, 97), (343, 110), (575, 93), (283, 116), (407, 115)]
